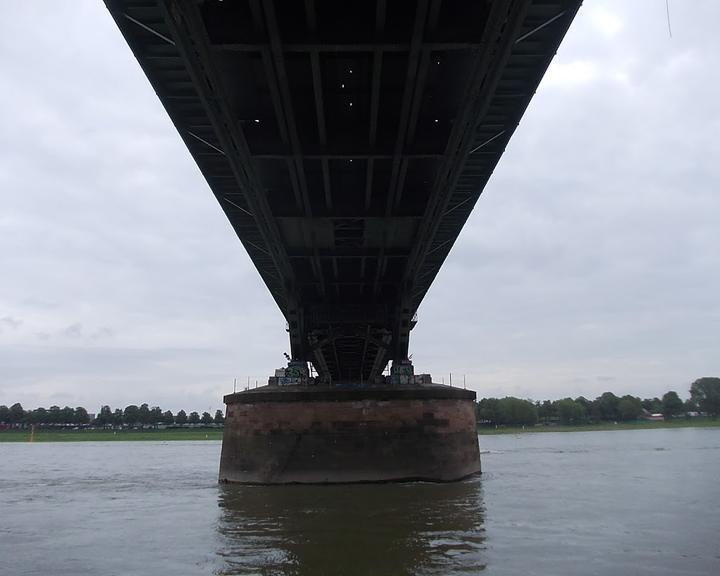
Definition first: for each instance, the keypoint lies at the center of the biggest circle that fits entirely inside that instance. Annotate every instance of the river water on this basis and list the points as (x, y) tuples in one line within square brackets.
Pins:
[(620, 502)]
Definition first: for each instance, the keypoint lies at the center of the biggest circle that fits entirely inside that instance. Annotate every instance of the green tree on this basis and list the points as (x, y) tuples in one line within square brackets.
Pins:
[(81, 415), (156, 415), (181, 417), (219, 417), (40, 416), (629, 408), (131, 415), (569, 411), (4, 414), (517, 412), (67, 415), (546, 411), (118, 417), (144, 415), (54, 415), (30, 417), (206, 418), (586, 404), (194, 418), (168, 417), (671, 404), (104, 417), (706, 393), (690, 405), (17, 414), (488, 411), (652, 405), (607, 406)]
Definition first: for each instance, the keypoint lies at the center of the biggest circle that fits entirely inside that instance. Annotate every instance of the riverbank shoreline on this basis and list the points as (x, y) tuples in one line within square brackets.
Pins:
[(202, 434), (603, 427), (45, 435)]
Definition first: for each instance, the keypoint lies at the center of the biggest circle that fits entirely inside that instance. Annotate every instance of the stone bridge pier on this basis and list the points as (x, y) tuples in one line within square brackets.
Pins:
[(295, 434)]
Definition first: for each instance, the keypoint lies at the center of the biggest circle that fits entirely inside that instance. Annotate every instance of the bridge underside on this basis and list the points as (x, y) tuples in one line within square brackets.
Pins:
[(347, 142)]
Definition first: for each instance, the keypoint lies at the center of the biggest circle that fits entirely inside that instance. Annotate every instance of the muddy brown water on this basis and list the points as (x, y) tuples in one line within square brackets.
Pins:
[(620, 502)]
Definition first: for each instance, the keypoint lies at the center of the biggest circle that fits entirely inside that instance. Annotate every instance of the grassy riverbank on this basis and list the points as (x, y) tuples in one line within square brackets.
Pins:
[(605, 426), (174, 434), (110, 435)]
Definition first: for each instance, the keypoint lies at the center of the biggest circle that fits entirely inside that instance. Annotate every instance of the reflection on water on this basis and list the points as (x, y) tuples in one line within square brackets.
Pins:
[(357, 529)]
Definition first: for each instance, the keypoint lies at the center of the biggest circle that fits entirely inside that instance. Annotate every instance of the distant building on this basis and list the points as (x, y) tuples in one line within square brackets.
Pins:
[(654, 417)]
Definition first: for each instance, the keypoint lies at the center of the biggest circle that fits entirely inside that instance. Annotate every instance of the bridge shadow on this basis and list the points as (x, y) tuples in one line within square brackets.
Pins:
[(391, 529)]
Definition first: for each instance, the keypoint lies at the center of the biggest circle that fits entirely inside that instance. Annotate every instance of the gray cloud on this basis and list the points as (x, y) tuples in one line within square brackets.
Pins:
[(75, 330), (9, 323), (593, 250)]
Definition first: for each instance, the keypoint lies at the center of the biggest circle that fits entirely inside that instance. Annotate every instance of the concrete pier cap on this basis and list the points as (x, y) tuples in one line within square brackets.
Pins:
[(318, 435)]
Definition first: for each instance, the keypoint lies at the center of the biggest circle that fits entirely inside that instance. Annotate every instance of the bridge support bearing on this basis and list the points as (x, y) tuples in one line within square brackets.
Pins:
[(284, 435)]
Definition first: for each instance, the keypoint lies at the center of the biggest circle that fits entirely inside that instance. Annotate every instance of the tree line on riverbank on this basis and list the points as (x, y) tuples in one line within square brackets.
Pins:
[(131, 416), (510, 411)]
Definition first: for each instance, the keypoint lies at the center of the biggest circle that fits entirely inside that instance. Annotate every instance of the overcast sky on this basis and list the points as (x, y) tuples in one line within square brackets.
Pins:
[(591, 262)]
